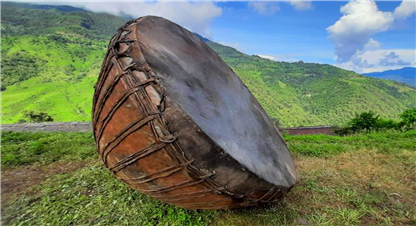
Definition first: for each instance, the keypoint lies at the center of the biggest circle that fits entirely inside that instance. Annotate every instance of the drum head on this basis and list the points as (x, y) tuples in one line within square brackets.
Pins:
[(206, 88)]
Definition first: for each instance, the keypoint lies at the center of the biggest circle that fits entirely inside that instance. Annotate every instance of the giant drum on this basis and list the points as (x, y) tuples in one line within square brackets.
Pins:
[(174, 122)]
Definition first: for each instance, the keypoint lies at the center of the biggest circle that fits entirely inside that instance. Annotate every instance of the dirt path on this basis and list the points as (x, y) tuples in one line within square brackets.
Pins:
[(20, 179)]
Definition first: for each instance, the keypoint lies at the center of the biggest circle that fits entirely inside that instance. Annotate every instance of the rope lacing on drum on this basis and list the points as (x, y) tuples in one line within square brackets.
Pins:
[(128, 67), (116, 47), (268, 196), (159, 174), (136, 156), (120, 102), (161, 106), (163, 141), (127, 41), (130, 22), (106, 96), (169, 138), (181, 184)]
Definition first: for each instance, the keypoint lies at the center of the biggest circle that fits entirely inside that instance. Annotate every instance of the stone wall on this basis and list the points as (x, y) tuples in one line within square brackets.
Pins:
[(309, 130), (49, 127), (87, 127)]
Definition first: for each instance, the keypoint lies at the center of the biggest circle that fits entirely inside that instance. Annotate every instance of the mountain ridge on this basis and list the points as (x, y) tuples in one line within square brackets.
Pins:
[(52, 59), (406, 75)]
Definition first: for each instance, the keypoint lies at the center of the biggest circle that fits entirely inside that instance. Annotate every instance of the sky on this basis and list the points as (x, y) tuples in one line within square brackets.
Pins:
[(360, 35)]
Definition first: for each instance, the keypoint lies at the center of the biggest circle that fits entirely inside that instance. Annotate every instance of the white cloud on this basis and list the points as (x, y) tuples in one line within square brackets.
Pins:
[(264, 8), (301, 5), (280, 57), (354, 47), (380, 60), (266, 57), (372, 44), (271, 7), (405, 9), (196, 16), (360, 21)]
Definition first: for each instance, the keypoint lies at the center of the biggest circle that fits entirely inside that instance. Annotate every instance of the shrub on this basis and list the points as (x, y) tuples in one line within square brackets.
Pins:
[(409, 117), (32, 116), (365, 121), (370, 121), (388, 124)]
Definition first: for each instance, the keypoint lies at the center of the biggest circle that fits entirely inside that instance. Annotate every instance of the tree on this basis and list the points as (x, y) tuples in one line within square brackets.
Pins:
[(364, 121), (409, 117)]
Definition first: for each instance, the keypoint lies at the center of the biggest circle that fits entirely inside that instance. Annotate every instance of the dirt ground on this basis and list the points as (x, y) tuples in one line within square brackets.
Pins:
[(19, 179)]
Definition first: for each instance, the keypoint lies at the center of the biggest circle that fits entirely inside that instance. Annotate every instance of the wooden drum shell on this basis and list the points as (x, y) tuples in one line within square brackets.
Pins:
[(147, 141)]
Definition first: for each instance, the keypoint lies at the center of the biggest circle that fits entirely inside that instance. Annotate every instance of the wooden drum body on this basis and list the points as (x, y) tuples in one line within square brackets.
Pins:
[(173, 121)]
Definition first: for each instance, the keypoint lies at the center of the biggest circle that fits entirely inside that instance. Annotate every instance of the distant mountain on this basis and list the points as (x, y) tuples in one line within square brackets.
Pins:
[(51, 56), (63, 8), (201, 37), (406, 75)]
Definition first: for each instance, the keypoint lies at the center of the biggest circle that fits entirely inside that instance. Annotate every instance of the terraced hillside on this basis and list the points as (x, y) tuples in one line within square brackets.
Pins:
[(51, 56)]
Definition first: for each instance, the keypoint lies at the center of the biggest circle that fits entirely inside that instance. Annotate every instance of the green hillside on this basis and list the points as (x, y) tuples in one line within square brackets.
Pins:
[(51, 57), (311, 94)]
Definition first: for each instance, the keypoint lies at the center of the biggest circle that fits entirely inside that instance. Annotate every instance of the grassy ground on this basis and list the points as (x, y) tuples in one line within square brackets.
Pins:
[(44, 148), (362, 179)]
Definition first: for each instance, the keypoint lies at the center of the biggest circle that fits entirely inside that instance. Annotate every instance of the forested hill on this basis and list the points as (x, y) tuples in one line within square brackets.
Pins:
[(312, 94), (51, 56)]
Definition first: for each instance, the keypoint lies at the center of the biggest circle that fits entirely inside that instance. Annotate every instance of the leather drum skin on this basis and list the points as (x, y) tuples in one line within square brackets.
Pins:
[(174, 122)]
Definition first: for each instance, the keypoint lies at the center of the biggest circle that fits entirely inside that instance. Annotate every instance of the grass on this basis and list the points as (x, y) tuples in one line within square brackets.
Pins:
[(25, 148), (360, 187), (92, 196), (366, 179), (326, 145)]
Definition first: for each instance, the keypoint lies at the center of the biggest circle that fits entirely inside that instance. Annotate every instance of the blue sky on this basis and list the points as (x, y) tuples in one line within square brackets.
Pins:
[(359, 35), (288, 34)]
